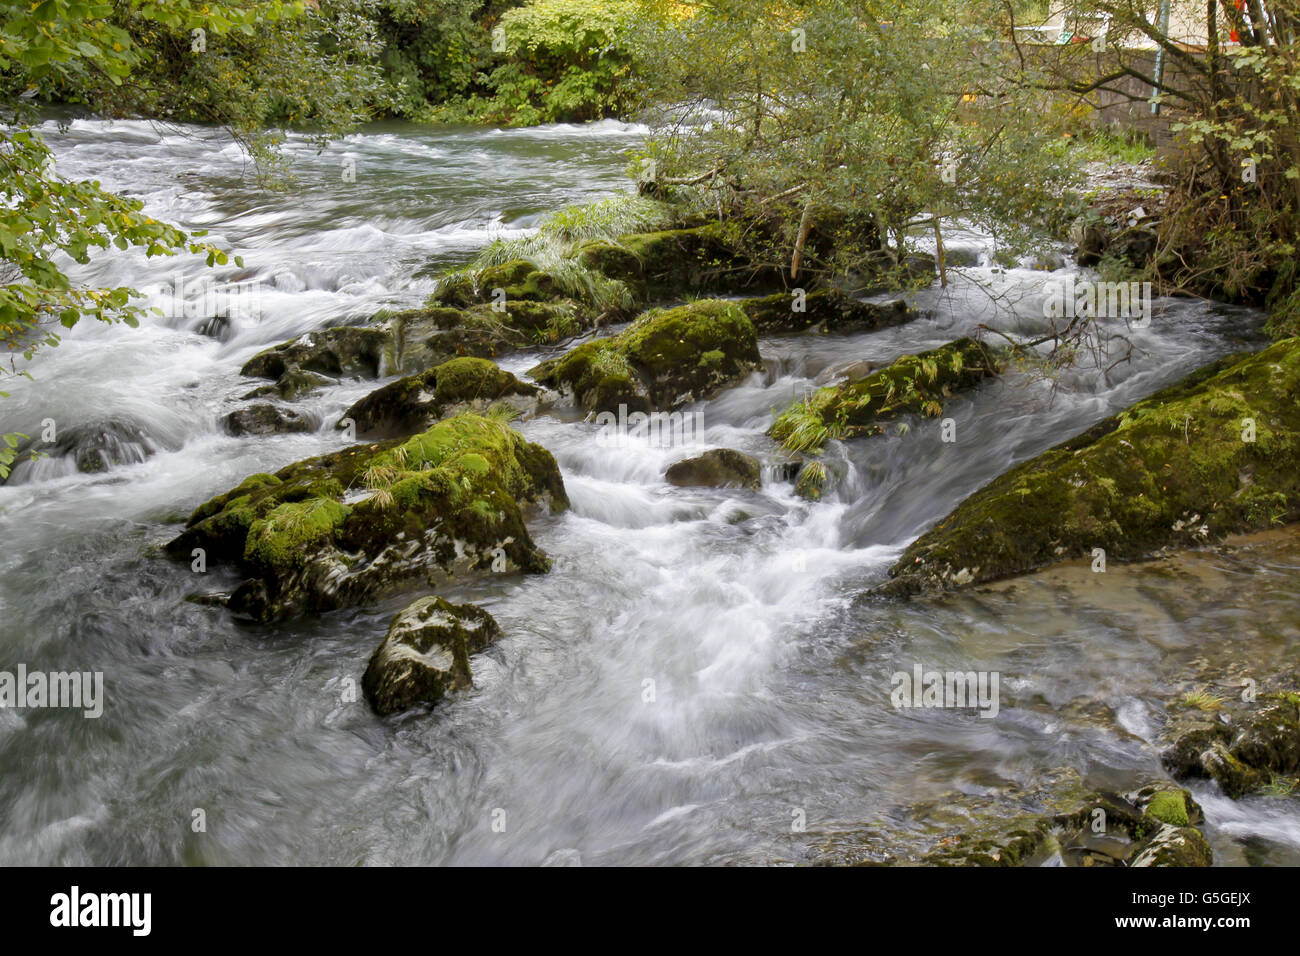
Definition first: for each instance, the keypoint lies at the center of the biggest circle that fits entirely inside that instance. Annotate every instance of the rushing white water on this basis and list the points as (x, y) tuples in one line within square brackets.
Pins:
[(690, 682)]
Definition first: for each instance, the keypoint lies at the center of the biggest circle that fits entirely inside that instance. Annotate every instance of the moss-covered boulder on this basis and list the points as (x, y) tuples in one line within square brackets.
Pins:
[(827, 310), (672, 263), (425, 654), (414, 402), (666, 359), (342, 528), (518, 279), (916, 384), (1213, 455), (717, 468)]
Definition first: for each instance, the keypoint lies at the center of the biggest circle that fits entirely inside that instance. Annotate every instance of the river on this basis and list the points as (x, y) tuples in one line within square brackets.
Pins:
[(693, 683)]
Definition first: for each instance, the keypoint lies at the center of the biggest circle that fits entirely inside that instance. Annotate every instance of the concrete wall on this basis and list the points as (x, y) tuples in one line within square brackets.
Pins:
[(1186, 23), (1126, 103)]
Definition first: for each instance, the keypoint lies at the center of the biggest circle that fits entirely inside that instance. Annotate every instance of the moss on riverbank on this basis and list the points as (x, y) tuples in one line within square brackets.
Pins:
[(1211, 455)]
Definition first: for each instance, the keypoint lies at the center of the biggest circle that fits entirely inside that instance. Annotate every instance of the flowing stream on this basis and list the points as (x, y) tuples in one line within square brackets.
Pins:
[(693, 683)]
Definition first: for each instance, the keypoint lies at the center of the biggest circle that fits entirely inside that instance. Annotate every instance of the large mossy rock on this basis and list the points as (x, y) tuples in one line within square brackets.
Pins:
[(1175, 470), (916, 384), (340, 529), (414, 402), (672, 263), (425, 654), (826, 310), (519, 279), (666, 359)]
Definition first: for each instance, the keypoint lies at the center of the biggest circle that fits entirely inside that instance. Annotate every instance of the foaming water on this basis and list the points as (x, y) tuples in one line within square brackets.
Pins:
[(691, 678)]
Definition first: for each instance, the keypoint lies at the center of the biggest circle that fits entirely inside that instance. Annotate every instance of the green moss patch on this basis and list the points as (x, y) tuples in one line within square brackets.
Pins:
[(916, 384), (667, 358), (1168, 806)]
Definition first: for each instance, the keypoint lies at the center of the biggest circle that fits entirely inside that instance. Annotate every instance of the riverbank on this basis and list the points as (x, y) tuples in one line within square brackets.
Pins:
[(1198, 632)]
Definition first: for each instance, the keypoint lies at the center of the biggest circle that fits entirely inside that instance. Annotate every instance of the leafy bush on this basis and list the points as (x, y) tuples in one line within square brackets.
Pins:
[(552, 248), (565, 61), (434, 51)]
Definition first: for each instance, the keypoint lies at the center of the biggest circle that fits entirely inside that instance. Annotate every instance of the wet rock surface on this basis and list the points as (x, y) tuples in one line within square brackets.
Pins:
[(264, 418), (718, 468), (414, 402), (425, 655)]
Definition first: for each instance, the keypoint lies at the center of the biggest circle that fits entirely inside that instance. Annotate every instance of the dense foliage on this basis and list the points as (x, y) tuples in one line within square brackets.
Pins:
[(559, 61), (846, 126), (435, 51)]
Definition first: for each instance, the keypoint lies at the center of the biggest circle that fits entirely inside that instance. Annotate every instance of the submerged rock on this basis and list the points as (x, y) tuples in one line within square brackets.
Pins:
[(99, 446), (425, 655), (343, 528), (666, 359), (718, 468), (1151, 827), (413, 403), (217, 327), (1212, 455), (94, 447)]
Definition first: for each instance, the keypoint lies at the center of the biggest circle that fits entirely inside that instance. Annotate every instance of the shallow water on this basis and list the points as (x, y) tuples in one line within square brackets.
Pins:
[(691, 682)]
